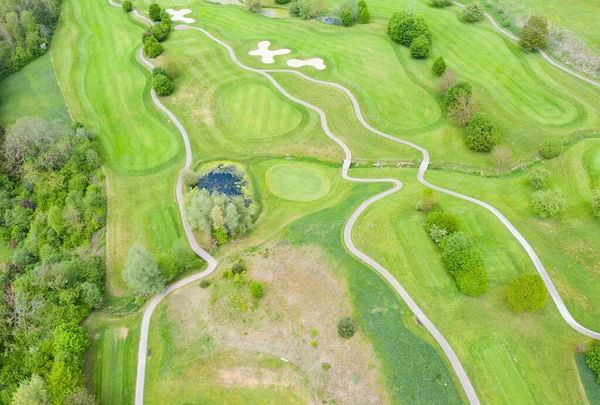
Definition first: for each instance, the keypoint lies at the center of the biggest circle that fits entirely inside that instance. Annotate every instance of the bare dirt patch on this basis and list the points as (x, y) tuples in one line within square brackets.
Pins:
[(303, 299)]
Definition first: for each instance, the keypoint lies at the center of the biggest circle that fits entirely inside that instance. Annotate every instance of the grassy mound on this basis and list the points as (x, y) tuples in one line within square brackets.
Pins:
[(297, 182)]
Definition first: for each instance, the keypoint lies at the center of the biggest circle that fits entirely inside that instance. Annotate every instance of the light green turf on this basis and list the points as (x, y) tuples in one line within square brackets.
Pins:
[(297, 183), (510, 358), (165, 226), (32, 92), (256, 111), (108, 91), (111, 358)]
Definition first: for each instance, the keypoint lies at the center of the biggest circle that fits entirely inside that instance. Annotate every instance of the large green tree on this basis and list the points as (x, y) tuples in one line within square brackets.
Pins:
[(535, 33), (141, 271), (405, 27)]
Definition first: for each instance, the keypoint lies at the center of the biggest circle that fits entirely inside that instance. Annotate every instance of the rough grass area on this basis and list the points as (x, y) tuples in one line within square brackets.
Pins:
[(588, 380), (282, 324), (509, 357), (32, 92), (257, 111), (297, 183)]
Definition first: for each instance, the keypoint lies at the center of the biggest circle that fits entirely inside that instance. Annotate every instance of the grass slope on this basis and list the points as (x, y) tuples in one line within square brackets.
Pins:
[(32, 92)]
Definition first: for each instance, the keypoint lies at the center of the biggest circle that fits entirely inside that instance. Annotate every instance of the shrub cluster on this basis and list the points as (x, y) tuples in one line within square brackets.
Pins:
[(254, 6), (346, 327), (593, 360), (161, 83), (551, 148), (256, 289), (52, 214), (127, 6), (304, 9), (217, 214), (440, 3), (471, 13), (439, 66), (351, 11), (535, 33), (406, 28), (538, 178), (158, 32), (461, 259), (527, 293), (481, 133), (549, 203)]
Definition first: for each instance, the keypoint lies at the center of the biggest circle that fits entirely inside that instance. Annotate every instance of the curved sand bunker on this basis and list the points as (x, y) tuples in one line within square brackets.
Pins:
[(178, 15), (266, 54), (316, 62)]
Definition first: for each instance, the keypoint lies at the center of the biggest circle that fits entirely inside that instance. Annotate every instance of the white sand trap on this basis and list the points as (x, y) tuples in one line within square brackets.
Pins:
[(178, 15), (316, 62), (267, 55)]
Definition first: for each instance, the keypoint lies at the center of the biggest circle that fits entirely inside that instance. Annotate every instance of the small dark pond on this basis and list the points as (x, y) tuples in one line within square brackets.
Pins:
[(223, 179)]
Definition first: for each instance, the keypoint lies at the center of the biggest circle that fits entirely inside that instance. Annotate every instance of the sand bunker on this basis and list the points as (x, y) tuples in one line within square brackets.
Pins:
[(316, 62), (178, 15), (267, 55)]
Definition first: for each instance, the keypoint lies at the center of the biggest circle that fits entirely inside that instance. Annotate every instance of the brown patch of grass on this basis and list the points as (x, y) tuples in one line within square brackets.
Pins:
[(302, 295)]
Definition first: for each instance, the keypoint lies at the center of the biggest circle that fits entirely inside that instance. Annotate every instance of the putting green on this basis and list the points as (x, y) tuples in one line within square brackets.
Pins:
[(297, 183), (255, 111)]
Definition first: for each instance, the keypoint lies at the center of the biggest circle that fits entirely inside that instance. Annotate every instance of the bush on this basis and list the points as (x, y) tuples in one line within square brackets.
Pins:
[(551, 148), (593, 360), (459, 261), (239, 267), (473, 282), (158, 33), (456, 90), (481, 133), (436, 234), (220, 236), (549, 203), (253, 6), (596, 203), (282, 1), (256, 289), (154, 12), (463, 109), (152, 48), (538, 178), (162, 85), (346, 17), (325, 366), (443, 220), (304, 9), (439, 66), (527, 293), (141, 271), (189, 178), (535, 33), (420, 47), (165, 21), (127, 6), (405, 27), (440, 3), (204, 283), (346, 327), (471, 13), (427, 201), (364, 16)]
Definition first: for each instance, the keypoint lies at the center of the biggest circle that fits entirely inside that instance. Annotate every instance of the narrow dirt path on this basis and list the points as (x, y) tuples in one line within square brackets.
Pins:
[(397, 185)]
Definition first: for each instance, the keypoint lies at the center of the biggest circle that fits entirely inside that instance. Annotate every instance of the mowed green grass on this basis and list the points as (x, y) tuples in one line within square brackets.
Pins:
[(297, 183), (256, 111), (32, 92), (566, 244), (111, 359), (529, 99), (510, 358), (164, 223), (107, 89)]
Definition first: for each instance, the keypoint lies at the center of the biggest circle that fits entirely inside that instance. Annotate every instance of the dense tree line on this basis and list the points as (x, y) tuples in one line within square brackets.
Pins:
[(52, 214), (26, 28)]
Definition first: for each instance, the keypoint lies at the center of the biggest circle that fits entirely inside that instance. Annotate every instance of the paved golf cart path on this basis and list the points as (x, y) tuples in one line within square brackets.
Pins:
[(397, 185)]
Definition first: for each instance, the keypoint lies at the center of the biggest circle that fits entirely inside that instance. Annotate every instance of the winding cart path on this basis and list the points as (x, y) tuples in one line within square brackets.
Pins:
[(397, 185)]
